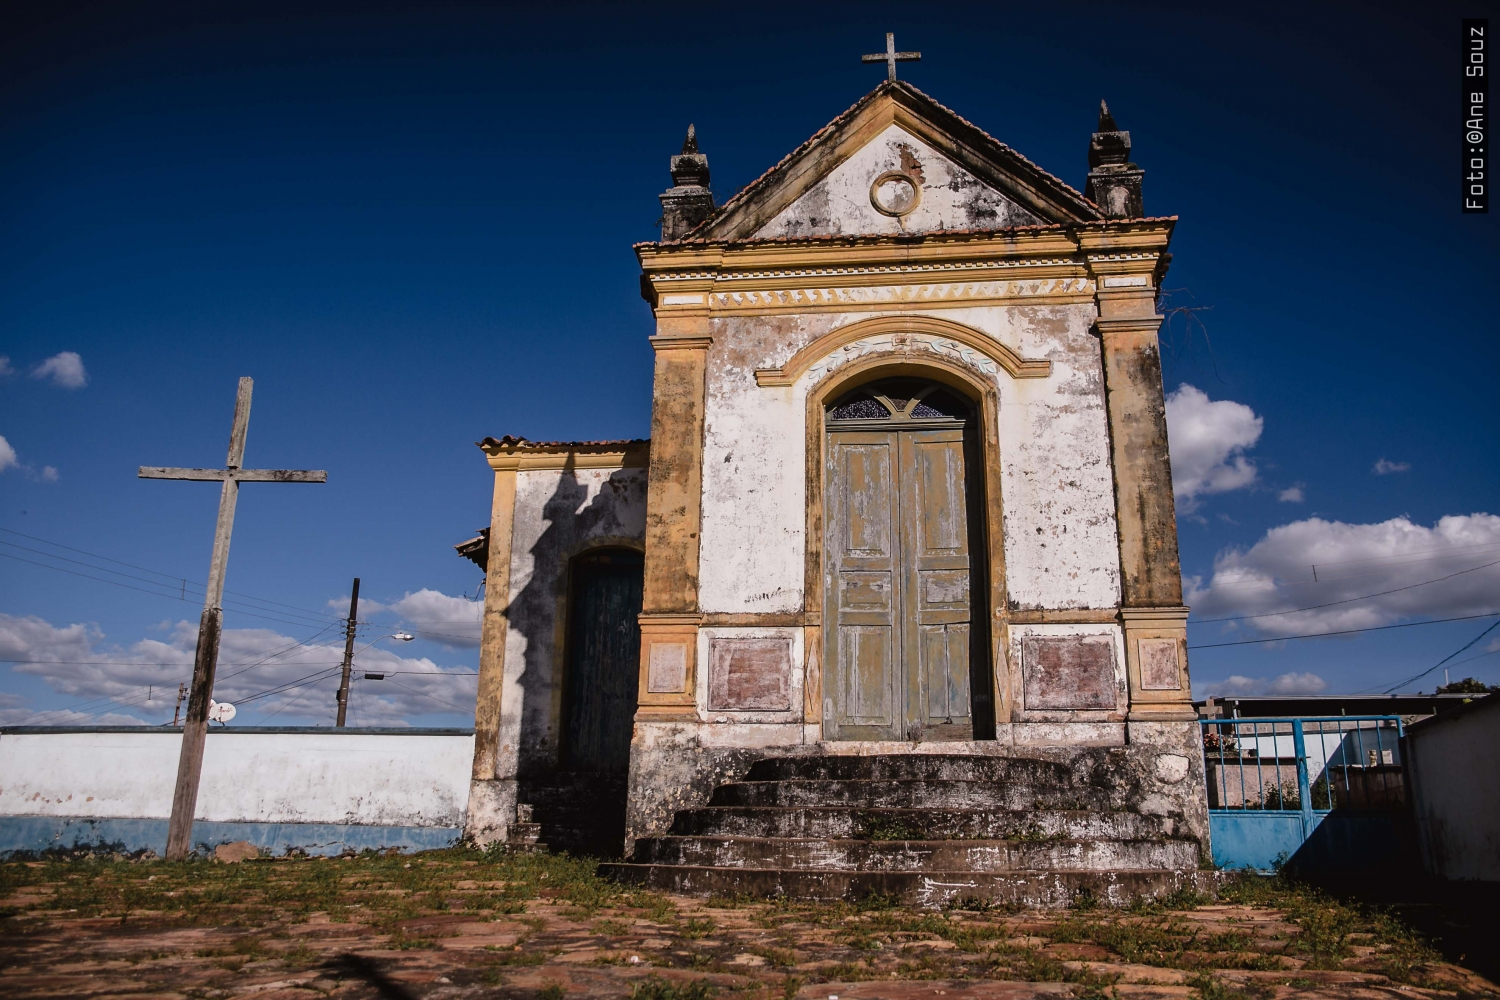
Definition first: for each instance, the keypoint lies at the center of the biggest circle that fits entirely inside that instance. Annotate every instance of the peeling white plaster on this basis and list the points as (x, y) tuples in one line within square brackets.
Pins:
[(558, 514), (1061, 544), (952, 197)]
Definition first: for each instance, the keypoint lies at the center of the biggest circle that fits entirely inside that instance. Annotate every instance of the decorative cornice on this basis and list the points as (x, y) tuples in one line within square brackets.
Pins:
[(908, 335), (758, 302), (518, 454), (681, 343)]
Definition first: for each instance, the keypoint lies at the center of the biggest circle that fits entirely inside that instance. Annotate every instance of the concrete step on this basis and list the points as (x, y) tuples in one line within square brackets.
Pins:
[(934, 767), (916, 794), (916, 824), (914, 855), (919, 888)]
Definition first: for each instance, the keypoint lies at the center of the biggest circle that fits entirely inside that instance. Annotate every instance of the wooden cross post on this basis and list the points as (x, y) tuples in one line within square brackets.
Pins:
[(890, 56), (195, 725)]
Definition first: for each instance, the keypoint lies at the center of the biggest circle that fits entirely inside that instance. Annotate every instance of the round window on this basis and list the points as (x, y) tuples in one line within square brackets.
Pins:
[(895, 193)]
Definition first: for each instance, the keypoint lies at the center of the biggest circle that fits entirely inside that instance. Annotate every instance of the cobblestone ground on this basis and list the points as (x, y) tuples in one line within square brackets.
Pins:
[(464, 923)]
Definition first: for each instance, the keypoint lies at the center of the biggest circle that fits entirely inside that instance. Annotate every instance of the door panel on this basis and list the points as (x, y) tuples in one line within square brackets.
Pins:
[(603, 652), (935, 556), (863, 586), (867, 668), (898, 589)]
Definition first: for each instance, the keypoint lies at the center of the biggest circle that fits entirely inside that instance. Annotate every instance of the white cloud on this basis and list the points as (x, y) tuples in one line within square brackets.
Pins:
[(5, 367), (1292, 494), (64, 369), (1323, 566), (1287, 685), (48, 474), (7, 455), (1383, 467), (431, 614), (139, 682), (1207, 440)]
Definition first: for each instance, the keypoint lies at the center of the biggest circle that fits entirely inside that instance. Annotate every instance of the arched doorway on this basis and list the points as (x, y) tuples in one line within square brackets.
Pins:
[(905, 642), (603, 654)]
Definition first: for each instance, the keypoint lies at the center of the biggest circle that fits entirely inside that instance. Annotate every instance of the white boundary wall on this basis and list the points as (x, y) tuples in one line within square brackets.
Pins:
[(376, 778)]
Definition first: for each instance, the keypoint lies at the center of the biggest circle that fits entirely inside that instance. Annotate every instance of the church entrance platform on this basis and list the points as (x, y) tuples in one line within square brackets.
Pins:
[(1031, 827)]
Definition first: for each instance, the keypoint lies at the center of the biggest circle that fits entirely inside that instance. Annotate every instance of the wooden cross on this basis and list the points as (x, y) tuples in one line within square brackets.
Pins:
[(205, 660), (891, 57)]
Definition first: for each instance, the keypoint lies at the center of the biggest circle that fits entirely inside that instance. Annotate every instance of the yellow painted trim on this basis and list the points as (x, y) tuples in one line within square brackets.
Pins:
[(1013, 363), (536, 458)]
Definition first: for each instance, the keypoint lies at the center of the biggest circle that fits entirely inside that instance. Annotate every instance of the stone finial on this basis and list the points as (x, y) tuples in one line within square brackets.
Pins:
[(688, 201), (1114, 182)]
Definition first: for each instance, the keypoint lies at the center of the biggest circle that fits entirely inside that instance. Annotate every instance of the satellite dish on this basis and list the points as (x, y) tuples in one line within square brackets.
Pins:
[(220, 711)]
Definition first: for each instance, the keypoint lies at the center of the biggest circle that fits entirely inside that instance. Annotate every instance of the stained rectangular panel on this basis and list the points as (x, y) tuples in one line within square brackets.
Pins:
[(1061, 672)]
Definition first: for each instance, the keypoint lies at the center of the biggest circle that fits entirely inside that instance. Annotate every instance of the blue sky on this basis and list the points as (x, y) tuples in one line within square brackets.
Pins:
[(411, 224)]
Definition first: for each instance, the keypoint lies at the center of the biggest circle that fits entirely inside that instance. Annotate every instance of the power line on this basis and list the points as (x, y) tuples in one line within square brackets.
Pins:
[(145, 569), (1347, 631), (1351, 600), (174, 597), (1376, 562), (1444, 660)]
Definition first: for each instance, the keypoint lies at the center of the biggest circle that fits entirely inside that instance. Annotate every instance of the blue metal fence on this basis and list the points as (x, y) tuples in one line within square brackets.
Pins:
[(1315, 792)]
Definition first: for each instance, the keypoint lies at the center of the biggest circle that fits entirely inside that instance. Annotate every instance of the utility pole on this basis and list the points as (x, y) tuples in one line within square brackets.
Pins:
[(348, 654), (205, 660)]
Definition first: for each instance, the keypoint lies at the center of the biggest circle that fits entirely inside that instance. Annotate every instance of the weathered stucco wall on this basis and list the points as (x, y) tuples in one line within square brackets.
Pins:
[(558, 515), (951, 197), (379, 779), (1454, 763), (1060, 544)]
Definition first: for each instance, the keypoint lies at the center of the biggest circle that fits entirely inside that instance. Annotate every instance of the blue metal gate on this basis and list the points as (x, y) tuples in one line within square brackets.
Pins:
[(1310, 792)]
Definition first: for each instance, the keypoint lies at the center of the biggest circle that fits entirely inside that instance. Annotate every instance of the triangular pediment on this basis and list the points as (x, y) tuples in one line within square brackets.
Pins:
[(897, 162)]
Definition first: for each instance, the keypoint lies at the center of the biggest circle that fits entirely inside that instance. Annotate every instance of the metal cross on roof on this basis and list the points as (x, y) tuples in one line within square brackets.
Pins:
[(891, 57)]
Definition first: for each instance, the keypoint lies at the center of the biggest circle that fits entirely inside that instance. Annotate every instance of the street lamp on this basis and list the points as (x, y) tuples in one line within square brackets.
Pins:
[(349, 653)]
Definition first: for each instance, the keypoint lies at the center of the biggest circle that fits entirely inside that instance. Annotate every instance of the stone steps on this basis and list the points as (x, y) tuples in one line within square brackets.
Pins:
[(1029, 770), (919, 888), (837, 822), (929, 829), (580, 812), (866, 793), (915, 855)]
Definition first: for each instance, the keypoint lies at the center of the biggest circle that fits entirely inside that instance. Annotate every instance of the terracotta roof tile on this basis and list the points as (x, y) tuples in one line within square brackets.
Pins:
[(513, 441)]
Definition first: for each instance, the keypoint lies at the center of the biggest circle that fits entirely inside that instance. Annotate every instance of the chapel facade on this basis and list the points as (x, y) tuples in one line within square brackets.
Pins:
[(906, 504)]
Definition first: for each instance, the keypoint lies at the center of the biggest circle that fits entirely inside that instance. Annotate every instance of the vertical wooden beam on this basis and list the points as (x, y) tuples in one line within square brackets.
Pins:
[(206, 657)]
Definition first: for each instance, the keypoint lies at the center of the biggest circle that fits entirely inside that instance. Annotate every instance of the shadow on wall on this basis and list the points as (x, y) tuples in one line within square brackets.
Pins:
[(581, 811)]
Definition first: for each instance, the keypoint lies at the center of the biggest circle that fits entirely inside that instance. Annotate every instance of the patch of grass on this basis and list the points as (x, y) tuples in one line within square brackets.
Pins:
[(697, 928), (781, 957), (1210, 987), (878, 827), (521, 958), (610, 928), (656, 988), (300, 957), (551, 991), (404, 942)]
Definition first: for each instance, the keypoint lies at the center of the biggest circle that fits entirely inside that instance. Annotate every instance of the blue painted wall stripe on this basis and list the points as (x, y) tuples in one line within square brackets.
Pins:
[(42, 833)]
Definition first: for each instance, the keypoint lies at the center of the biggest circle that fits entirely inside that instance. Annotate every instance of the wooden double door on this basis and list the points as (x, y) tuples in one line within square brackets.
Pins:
[(903, 648)]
